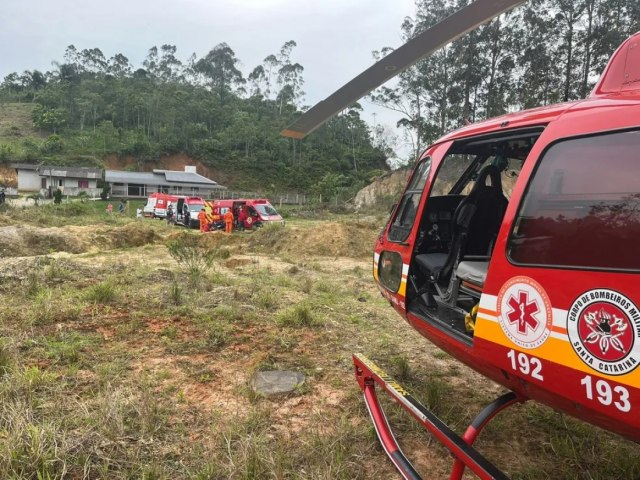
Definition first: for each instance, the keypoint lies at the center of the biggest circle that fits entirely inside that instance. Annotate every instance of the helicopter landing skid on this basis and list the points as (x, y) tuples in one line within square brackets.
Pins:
[(368, 374)]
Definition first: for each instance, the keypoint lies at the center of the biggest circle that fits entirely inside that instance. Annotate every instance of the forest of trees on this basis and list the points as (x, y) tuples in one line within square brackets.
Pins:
[(543, 52), (204, 107)]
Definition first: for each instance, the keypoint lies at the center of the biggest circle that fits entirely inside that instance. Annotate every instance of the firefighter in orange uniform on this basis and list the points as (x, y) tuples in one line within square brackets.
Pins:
[(228, 221), (202, 217)]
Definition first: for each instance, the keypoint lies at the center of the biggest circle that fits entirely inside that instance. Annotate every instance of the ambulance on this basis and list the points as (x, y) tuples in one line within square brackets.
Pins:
[(258, 212), (186, 211), (156, 206)]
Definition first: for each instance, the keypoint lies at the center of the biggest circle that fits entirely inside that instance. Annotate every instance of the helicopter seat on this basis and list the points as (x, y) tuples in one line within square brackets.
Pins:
[(475, 224), (472, 274)]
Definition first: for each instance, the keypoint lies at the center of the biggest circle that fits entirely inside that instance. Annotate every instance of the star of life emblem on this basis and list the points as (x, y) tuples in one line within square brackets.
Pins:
[(524, 312), (604, 331)]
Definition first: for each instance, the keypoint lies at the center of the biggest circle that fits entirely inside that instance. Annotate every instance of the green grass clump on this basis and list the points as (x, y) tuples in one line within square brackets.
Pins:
[(103, 292), (267, 299), (65, 347), (299, 315)]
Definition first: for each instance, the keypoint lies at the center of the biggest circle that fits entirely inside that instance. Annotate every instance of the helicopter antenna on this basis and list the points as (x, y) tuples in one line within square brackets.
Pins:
[(448, 30)]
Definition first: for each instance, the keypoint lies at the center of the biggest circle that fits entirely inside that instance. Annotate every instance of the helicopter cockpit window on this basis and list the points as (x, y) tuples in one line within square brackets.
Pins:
[(406, 212), (582, 207)]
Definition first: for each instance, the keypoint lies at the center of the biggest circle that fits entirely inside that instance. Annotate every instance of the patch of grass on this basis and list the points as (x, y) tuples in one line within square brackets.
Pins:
[(283, 340), (299, 315), (56, 271), (293, 270), (111, 370), (7, 356), (44, 310), (130, 327), (267, 299), (175, 293), (221, 253), (441, 355), (104, 292), (219, 278), (33, 282), (65, 347), (400, 367), (192, 255), (229, 313), (282, 281), (169, 332), (217, 332), (306, 285), (325, 286)]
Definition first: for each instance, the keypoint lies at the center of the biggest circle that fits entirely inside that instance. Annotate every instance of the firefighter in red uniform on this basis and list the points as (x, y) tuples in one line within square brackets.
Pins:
[(228, 221), (202, 217), (242, 216)]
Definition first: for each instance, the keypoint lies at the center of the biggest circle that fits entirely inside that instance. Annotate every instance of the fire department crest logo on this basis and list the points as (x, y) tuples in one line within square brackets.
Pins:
[(604, 330), (524, 312)]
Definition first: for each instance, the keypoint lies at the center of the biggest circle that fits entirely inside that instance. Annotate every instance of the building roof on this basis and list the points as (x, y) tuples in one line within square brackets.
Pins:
[(161, 177), (60, 171)]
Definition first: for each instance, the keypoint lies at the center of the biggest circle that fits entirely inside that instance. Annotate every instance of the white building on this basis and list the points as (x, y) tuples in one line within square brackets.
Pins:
[(141, 184), (45, 179)]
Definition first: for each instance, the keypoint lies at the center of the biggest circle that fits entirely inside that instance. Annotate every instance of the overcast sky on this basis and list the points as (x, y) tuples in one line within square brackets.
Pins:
[(335, 37)]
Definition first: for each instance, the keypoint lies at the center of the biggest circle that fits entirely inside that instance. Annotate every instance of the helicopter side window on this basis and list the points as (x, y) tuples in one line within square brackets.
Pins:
[(582, 207), (406, 213)]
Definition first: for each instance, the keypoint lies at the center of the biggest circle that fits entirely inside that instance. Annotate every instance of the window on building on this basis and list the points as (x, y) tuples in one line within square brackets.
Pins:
[(60, 182), (163, 189), (136, 190), (83, 183), (118, 189), (582, 206), (43, 183)]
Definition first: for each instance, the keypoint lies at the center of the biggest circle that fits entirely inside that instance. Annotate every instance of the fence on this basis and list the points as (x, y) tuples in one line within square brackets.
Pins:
[(276, 199)]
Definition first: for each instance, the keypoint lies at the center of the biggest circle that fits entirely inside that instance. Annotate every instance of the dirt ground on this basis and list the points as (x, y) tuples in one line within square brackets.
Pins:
[(128, 368)]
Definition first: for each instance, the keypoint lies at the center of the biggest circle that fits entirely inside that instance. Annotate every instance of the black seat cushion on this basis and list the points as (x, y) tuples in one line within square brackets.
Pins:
[(431, 262)]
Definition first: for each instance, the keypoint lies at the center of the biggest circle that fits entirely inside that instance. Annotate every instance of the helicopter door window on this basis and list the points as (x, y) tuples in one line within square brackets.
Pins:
[(406, 212), (582, 207), (390, 270)]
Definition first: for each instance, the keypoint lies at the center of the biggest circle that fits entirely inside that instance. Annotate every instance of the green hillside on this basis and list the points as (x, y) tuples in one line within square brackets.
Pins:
[(90, 107)]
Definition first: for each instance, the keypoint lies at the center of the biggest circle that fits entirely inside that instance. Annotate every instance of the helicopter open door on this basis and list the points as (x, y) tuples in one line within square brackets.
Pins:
[(458, 227)]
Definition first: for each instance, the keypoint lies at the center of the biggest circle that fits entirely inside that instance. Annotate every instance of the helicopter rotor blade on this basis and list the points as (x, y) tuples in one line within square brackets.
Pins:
[(448, 30)]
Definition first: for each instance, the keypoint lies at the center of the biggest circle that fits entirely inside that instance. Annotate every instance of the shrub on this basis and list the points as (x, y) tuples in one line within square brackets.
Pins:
[(191, 255)]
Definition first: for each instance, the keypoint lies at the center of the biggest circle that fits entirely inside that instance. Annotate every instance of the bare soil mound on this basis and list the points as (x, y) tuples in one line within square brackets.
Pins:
[(333, 239), (23, 241)]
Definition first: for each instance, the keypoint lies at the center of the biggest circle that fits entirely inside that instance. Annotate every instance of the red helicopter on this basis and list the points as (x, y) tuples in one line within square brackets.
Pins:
[(513, 248)]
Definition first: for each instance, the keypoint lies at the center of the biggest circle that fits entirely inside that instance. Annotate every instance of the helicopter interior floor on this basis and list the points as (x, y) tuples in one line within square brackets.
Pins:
[(449, 320)]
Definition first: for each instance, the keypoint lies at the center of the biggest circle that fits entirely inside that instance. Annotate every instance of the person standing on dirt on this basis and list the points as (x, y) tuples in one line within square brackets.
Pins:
[(228, 221), (110, 209), (202, 218), (121, 207)]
